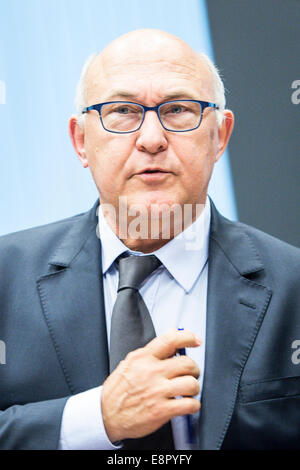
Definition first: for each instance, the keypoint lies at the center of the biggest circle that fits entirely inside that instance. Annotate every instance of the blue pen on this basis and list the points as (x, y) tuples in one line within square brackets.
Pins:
[(189, 418)]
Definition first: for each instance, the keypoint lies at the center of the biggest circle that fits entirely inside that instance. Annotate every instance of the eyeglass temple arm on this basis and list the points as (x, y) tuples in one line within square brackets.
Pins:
[(90, 108), (207, 104)]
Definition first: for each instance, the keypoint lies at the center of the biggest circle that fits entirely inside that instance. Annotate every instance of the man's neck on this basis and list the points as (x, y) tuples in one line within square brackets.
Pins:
[(148, 234)]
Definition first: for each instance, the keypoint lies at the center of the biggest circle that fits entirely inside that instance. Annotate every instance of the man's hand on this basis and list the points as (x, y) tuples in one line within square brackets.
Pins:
[(138, 397)]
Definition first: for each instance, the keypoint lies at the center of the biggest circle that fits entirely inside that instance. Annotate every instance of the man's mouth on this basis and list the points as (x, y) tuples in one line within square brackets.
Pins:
[(153, 175), (152, 171)]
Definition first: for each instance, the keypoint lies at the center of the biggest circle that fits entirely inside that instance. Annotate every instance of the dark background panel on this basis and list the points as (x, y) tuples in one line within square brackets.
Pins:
[(257, 49)]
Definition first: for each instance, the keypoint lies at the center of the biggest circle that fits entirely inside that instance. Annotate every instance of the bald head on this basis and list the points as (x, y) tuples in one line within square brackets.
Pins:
[(147, 45), (147, 53)]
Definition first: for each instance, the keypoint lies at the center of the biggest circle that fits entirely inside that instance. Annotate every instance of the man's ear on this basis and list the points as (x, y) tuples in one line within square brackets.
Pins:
[(77, 134), (224, 132)]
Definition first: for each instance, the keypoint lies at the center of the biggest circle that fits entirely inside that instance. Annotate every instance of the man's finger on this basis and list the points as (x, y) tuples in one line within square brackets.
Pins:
[(166, 345), (179, 366), (185, 386), (182, 406)]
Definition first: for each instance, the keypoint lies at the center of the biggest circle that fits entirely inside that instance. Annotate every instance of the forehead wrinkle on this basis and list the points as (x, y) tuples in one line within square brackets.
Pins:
[(160, 66), (172, 72), (155, 89)]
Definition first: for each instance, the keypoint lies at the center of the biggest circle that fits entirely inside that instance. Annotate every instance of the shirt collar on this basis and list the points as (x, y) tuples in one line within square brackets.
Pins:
[(184, 256)]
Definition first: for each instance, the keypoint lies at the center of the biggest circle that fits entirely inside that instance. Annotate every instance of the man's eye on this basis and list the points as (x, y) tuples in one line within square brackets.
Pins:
[(176, 109), (123, 110)]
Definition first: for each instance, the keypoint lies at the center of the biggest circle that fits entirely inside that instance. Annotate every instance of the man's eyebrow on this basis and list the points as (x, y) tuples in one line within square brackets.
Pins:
[(120, 94), (178, 94)]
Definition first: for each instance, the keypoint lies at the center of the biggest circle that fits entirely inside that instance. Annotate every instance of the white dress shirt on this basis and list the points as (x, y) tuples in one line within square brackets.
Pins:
[(183, 273)]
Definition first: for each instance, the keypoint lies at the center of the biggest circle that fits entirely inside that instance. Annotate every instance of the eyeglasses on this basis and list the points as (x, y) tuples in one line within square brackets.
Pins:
[(123, 117)]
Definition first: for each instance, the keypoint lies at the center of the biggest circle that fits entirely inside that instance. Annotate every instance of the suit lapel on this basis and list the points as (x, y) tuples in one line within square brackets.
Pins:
[(235, 309), (71, 295)]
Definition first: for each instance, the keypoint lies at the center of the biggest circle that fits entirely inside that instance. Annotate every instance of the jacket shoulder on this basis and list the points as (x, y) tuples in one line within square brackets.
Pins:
[(269, 244), (280, 260), (30, 249), (252, 250), (29, 238)]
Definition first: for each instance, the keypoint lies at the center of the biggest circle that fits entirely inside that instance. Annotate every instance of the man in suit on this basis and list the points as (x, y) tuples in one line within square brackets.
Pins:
[(152, 128)]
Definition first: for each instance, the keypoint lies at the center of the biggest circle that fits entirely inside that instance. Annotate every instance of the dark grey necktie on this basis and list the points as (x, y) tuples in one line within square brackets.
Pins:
[(132, 328)]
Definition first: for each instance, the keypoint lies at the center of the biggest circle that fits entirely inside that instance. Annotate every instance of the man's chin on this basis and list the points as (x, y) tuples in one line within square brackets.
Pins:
[(152, 202)]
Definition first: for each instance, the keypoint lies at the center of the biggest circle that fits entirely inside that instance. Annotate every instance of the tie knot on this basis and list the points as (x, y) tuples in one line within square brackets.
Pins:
[(133, 270)]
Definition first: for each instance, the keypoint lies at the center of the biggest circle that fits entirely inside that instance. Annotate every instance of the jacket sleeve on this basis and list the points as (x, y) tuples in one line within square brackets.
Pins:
[(34, 426)]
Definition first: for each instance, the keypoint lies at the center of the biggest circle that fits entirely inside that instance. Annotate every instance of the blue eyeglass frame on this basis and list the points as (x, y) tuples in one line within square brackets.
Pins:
[(98, 107)]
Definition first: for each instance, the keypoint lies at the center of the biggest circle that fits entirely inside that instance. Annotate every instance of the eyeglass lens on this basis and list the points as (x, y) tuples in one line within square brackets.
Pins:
[(127, 117)]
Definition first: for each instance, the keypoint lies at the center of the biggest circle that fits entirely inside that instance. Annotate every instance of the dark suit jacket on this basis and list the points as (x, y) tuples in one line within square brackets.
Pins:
[(52, 321)]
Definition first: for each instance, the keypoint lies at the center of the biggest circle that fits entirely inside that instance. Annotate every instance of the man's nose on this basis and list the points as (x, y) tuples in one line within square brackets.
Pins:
[(152, 136)]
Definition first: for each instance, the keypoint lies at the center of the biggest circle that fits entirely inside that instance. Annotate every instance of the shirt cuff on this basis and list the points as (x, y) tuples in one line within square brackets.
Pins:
[(82, 426)]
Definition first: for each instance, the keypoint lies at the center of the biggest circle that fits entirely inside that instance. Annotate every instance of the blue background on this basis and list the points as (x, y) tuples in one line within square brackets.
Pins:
[(43, 46)]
